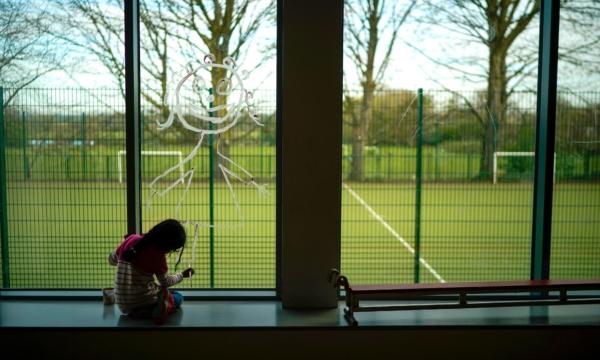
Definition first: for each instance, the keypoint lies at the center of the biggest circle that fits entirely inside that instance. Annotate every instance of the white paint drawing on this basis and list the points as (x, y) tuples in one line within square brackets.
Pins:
[(198, 119)]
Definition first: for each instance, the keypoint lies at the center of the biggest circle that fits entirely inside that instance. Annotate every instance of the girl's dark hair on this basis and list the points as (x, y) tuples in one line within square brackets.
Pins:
[(168, 235)]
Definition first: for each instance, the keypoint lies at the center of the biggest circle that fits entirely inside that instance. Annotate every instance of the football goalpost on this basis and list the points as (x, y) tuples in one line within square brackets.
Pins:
[(122, 153), (498, 154)]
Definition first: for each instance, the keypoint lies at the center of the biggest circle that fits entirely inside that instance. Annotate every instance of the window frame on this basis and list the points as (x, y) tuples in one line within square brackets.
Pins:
[(330, 15)]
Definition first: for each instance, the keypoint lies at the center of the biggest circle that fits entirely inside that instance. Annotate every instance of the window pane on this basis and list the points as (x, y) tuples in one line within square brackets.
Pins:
[(576, 200), (476, 141), (198, 80), (63, 123)]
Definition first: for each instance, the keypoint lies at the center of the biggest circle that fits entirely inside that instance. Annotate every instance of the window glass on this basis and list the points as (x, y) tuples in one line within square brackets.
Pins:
[(576, 199), (466, 214), (208, 147), (63, 99)]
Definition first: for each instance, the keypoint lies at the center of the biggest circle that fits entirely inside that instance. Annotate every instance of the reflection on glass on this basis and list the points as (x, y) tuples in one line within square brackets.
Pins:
[(63, 120), (207, 87), (475, 140), (575, 245)]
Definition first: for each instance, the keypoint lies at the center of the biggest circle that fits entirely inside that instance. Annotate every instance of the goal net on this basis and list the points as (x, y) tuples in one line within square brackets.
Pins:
[(515, 154), (122, 153)]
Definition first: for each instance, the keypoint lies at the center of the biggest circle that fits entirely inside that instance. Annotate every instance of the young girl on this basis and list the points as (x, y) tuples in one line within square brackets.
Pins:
[(141, 257)]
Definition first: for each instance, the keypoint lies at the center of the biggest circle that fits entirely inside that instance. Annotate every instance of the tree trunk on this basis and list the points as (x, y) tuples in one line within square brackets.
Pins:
[(495, 109), (360, 133)]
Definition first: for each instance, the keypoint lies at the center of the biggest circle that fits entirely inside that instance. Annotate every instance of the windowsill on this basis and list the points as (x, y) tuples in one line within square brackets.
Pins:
[(239, 314), (96, 295), (239, 294)]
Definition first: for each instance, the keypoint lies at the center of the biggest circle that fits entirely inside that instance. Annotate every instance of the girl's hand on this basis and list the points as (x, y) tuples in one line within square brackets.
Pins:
[(188, 272)]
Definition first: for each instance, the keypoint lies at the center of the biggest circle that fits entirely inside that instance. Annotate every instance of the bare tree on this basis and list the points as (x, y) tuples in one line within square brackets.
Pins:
[(88, 28), (26, 52), (497, 26), (97, 28), (579, 43), (365, 29), (222, 28), (188, 29), (156, 47)]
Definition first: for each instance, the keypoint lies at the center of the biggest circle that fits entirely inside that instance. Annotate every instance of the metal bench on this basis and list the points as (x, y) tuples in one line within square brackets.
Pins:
[(538, 294)]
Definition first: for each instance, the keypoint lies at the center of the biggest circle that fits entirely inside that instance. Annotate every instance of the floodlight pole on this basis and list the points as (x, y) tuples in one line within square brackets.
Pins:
[(544, 140)]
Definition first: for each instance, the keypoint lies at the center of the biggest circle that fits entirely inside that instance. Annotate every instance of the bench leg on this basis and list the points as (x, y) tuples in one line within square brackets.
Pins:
[(563, 295), (349, 316), (462, 298)]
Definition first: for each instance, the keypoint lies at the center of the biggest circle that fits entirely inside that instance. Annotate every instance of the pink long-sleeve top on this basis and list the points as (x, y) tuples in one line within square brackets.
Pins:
[(135, 286)]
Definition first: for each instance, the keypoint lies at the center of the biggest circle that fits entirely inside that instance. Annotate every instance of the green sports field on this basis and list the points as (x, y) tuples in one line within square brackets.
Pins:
[(469, 232), (61, 232)]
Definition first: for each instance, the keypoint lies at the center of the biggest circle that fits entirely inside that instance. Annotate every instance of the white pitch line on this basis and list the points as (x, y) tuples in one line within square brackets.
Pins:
[(393, 232)]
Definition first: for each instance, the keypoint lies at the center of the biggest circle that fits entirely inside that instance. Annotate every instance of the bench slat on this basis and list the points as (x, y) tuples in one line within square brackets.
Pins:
[(473, 287), (357, 292)]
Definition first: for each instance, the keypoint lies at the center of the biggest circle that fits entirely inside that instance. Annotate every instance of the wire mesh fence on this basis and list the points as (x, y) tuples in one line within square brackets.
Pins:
[(473, 220), (66, 190), (576, 201), (65, 171), (63, 218)]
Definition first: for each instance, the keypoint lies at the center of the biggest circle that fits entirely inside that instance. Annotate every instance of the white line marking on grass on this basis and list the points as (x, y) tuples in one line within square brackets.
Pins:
[(393, 232)]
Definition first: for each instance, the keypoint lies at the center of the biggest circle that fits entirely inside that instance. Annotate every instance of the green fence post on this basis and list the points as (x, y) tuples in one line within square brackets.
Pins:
[(437, 149), (83, 162), (269, 165), (67, 157), (26, 172), (469, 160), (429, 167), (586, 165), (389, 166), (143, 121), (3, 200), (211, 210), (261, 152), (418, 185), (107, 167), (142, 162)]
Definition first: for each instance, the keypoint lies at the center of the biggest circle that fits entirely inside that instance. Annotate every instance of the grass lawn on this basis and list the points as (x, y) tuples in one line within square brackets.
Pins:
[(61, 233), (468, 232)]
